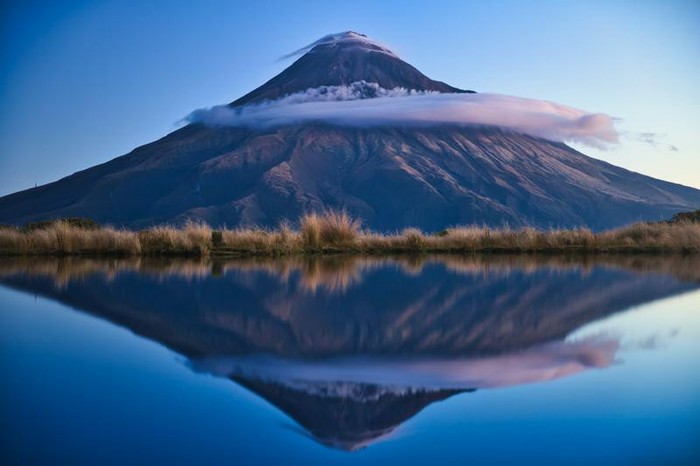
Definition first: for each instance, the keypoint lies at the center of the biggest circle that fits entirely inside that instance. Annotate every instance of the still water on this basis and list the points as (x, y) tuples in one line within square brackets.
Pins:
[(350, 360)]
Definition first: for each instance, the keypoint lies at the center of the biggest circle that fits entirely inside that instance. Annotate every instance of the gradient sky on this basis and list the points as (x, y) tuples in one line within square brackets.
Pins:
[(83, 82)]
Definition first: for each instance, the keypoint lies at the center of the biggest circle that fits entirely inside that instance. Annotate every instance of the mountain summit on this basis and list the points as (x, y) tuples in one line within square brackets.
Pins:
[(437, 171), (343, 59)]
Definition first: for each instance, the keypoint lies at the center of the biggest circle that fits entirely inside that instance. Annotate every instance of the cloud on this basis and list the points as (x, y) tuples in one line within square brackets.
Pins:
[(658, 340), (648, 138), (655, 140), (366, 104), (358, 90), (537, 364)]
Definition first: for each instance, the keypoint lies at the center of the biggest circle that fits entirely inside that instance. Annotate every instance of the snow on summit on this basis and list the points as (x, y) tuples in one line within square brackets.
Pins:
[(345, 38)]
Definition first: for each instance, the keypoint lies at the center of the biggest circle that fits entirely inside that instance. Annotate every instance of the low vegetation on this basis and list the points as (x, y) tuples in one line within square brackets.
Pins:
[(338, 232)]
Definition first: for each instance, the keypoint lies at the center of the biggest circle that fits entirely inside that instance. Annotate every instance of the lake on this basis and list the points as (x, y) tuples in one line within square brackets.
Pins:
[(351, 360)]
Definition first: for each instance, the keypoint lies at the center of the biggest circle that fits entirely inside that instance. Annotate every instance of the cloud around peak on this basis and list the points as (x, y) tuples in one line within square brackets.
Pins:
[(366, 105)]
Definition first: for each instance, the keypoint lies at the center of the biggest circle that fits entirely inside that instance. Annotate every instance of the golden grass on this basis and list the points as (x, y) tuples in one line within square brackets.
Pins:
[(335, 232), (62, 238), (331, 229), (194, 239)]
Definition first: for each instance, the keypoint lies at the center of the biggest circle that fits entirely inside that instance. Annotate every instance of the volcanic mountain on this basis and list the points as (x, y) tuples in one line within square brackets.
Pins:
[(391, 175)]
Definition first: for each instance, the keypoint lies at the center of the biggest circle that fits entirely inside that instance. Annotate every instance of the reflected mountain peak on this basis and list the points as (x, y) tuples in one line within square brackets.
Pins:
[(346, 416), (351, 403)]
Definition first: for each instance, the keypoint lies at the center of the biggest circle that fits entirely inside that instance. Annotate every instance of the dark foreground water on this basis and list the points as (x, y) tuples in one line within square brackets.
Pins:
[(351, 361)]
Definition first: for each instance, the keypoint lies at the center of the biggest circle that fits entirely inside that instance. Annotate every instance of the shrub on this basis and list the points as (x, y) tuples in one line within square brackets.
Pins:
[(688, 217)]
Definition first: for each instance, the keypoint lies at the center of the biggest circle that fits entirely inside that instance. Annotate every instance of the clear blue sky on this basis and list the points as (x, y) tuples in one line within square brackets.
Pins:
[(83, 82)]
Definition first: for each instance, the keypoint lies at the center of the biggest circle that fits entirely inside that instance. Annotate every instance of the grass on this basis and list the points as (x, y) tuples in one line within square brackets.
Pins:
[(62, 238), (338, 232), (332, 229)]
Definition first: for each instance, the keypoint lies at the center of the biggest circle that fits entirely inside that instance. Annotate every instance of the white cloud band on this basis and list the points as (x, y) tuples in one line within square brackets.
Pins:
[(350, 106)]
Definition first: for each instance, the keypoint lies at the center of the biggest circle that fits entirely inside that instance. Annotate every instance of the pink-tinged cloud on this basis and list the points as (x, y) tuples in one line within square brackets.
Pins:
[(349, 106), (538, 364)]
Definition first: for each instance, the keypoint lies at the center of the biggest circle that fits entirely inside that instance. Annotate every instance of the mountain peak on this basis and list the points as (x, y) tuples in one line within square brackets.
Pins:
[(342, 59), (347, 39)]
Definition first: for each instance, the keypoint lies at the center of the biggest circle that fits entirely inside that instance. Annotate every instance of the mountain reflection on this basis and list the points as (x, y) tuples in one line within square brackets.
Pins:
[(351, 347)]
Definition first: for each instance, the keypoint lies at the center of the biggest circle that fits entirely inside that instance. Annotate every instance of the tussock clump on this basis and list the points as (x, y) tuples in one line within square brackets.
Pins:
[(247, 239), (63, 238), (257, 241), (680, 237), (339, 228), (463, 238), (285, 240), (194, 239), (198, 237), (413, 239), (330, 229), (311, 231)]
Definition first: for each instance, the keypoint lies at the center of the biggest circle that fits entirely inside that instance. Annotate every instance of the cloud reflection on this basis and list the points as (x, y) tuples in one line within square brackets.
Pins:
[(336, 376)]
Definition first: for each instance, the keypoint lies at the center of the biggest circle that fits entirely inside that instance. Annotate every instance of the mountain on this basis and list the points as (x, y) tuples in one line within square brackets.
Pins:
[(391, 176)]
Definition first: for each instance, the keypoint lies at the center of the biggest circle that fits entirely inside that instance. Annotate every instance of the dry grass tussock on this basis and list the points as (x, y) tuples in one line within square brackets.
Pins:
[(330, 229), (62, 238), (335, 232), (247, 241), (193, 239)]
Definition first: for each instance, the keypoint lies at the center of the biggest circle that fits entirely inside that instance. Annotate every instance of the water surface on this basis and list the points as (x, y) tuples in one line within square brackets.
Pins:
[(351, 360)]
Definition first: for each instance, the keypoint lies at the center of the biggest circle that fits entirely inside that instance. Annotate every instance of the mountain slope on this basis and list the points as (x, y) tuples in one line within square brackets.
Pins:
[(390, 176)]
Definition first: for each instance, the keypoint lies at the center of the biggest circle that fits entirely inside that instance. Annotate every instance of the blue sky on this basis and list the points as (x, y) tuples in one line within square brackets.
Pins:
[(83, 82)]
